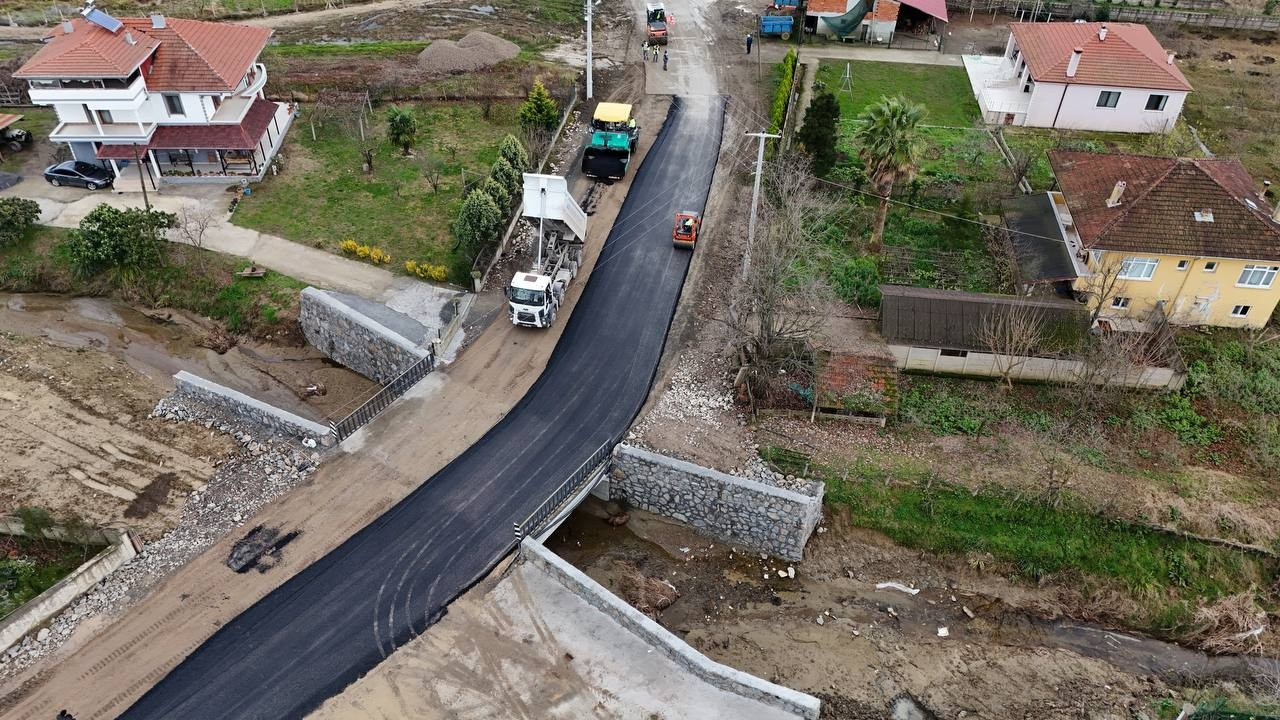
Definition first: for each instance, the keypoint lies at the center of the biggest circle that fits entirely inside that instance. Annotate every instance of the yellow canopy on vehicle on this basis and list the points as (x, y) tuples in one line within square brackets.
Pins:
[(613, 112)]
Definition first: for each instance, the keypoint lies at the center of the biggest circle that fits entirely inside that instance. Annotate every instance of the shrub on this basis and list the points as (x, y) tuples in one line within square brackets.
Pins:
[(819, 132), (495, 190), (512, 150), (943, 412), (127, 242), (786, 73), (539, 111), (1179, 417), (508, 176), (365, 252), (857, 281), (478, 221), (427, 271), (17, 215)]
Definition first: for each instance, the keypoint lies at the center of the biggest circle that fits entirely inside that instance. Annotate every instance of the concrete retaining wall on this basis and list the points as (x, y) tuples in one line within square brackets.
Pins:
[(38, 610), (749, 513), (355, 339), (710, 672), (270, 417)]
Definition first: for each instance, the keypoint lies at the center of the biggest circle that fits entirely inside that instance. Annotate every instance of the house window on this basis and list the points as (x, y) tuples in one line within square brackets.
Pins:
[(1108, 98), (104, 116), (1157, 102), (1211, 266), (1257, 276), (173, 103), (1138, 268), (946, 352), (1120, 303), (1241, 310), (1183, 264)]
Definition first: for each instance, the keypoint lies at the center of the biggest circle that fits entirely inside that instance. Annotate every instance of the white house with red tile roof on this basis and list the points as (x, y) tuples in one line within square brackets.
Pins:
[(1112, 77), (184, 97)]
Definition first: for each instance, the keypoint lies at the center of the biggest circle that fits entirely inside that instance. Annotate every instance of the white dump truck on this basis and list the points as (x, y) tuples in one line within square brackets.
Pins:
[(534, 296)]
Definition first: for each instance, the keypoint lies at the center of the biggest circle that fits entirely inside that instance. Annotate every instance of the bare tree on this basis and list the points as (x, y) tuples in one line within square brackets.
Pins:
[(781, 306), (1011, 333), (194, 221), (1113, 359), (1101, 288), (1019, 165), (432, 169)]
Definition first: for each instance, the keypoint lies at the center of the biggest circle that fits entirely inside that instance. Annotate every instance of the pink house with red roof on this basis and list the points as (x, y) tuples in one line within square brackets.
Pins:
[(1113, 77), (179, 99)]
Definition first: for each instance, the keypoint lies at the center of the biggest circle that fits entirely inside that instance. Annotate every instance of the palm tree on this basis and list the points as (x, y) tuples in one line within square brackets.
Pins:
[(888, 133), (402, 128)]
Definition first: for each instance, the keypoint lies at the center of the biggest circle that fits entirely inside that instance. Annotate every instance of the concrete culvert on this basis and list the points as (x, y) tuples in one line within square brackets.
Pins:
[(476, 50)]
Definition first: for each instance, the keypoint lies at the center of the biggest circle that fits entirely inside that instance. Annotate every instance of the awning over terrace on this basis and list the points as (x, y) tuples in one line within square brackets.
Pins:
[(933, 8), (1039, 249)]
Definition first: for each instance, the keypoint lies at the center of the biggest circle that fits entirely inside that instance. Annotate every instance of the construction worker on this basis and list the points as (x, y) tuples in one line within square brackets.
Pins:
[(749, 41), (655, 52), (664, 59)]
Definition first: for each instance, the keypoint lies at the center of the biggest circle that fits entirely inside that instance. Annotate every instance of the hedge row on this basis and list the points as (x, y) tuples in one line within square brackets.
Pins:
[(778, 112)]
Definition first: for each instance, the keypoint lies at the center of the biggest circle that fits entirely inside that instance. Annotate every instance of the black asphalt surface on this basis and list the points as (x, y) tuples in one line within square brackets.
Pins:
[(338, 618)]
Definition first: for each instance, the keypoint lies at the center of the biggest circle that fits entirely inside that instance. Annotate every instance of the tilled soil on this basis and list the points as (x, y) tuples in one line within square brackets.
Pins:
[(831, 632)]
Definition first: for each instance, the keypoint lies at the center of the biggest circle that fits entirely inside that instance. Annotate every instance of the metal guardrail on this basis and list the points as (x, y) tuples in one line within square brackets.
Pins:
[(372, 407), (570, 487)]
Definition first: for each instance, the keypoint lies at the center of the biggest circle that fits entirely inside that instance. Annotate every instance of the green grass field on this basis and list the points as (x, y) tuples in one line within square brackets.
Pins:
[(323, 49), (322, 197), (943, 91)]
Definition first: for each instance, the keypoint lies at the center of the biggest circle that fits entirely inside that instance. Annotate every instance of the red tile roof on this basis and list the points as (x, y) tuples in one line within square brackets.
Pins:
[(88, 51), (1130, 56), (1161, 195), (189, 54), (242, 136)]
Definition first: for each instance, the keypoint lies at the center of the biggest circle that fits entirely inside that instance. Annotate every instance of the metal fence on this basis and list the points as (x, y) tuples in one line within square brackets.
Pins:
[(372, 407), (570, 487), (1145, 11)]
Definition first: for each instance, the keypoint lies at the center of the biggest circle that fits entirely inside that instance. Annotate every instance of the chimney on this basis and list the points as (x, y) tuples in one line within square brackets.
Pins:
[(157, 21), (1171, 56), (1275, 214), (1102, 33), (67, 27), (1074, 63), (128, 37), (1116, 192)]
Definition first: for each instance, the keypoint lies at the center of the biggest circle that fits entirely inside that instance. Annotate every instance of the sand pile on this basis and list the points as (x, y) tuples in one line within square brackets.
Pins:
[(478, 49)]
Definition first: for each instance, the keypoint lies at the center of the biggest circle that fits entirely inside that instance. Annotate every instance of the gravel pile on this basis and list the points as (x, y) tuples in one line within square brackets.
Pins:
[(264, 468), (476, 50)]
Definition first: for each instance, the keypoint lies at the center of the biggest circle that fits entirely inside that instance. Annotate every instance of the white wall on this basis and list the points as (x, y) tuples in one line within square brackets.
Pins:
[(1080, 111), (1029, 369)]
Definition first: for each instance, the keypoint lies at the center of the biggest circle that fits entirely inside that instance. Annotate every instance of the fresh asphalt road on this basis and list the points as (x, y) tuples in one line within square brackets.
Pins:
[(339, 617)]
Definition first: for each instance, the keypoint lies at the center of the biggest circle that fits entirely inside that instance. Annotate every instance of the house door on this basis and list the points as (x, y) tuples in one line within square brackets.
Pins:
[(1008, 118)]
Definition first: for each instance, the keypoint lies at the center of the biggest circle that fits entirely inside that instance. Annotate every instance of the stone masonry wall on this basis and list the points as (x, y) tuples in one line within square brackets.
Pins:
[(270, 417), (354, 339), (749, 513)]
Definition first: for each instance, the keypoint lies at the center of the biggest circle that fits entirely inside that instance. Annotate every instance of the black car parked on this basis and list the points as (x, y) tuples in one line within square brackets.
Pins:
[(76, 173)]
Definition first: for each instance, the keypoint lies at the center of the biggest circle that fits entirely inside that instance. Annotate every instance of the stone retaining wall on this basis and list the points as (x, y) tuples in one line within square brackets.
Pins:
[(702, 667), (354, 339), (35, 612), (271, 418), (746, 512)]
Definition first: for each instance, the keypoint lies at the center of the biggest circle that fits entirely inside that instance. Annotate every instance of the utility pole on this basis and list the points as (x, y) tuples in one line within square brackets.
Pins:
[(755, 200), (590, 3), (137, 159)]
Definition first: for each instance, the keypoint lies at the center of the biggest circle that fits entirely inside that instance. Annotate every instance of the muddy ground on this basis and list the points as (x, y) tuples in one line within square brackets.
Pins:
[(1011, 659), (78, 380)]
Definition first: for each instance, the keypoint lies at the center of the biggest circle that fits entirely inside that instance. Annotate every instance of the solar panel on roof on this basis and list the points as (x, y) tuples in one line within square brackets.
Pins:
[(103, 20)]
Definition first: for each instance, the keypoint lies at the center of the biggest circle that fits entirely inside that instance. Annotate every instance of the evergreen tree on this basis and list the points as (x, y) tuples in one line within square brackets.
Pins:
[(539, 111), (818, 134)]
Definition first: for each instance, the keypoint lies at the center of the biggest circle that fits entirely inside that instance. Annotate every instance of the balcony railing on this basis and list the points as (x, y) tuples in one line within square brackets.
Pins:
[(257, 79), (66, 132), (119, 94)]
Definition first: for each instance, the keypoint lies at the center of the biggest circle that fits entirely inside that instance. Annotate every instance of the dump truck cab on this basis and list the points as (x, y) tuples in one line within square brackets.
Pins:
[(607, 155), (685, 232), (615, 117), (532, 301), (656, 20)]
